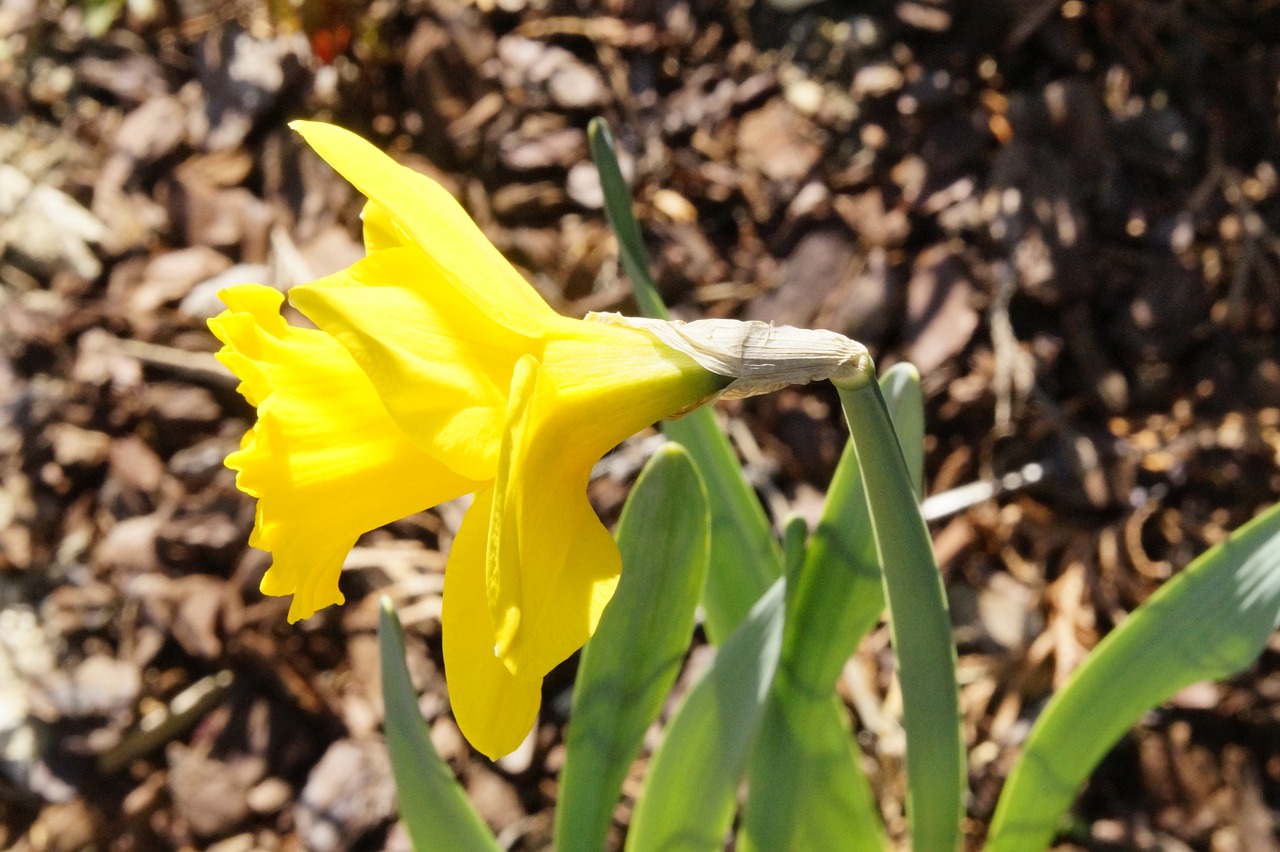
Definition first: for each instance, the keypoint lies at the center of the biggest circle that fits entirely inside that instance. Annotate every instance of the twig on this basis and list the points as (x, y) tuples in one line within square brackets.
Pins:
[(165, 724), (200, 366)]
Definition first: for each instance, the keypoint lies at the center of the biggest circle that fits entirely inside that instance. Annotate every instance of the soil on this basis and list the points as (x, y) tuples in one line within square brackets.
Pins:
[(1065, 213)]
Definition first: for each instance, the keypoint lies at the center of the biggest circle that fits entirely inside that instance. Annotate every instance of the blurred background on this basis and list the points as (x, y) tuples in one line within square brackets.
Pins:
[(1065, 213)]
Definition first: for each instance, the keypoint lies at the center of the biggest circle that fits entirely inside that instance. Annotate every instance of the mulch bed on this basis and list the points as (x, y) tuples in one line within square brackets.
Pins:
[(1064, 213)]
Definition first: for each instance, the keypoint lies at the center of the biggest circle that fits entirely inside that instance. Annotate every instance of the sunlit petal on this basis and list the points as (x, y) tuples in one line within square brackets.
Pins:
[(614, 381), (439, 364), (324, 459), (494, 708), (431, 217), (551, 566), (380, 229)]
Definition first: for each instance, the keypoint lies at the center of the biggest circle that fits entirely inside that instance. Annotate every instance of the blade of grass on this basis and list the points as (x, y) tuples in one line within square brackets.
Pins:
[(434, 808), (1209, 622), (745, 558), (631, 662), (918, 620), (689, 796)]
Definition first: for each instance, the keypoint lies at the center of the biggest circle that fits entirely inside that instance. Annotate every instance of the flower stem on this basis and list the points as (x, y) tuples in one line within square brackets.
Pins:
[(918, 620)]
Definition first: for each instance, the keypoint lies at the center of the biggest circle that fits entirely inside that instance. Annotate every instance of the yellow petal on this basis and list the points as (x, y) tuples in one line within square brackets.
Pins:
[(436, 222), (618, 380), (324, 458), (441, 366), (494, 708), (380, 230), (551, 565)]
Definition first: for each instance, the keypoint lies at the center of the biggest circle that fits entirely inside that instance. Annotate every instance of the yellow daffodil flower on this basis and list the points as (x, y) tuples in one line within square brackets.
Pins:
[(436, 371)]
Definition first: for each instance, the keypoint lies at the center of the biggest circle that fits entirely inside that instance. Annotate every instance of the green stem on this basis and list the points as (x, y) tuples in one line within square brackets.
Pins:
[(918, 620)]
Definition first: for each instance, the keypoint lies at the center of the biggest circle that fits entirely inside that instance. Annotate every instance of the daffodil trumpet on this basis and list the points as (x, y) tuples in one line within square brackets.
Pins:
[(435, 371)]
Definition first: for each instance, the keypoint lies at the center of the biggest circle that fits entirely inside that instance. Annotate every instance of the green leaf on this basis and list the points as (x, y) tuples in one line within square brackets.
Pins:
[(1209, 622), (689, 796), (434, 808), (617, 208), (631, 662), (918, 622), (745, 558), (808, 790), (900, 385), (795, 543)]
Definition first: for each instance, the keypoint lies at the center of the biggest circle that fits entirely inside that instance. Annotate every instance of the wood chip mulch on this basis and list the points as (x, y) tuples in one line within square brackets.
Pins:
[(1065, 213)]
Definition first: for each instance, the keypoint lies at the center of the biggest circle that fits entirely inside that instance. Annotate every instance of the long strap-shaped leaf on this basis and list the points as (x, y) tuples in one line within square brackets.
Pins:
[(807, 789), (918, 621), (434, 808), (688, 798), (1208, 622), (904, 397), (745, 558), (630, 663), (617, 207)]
